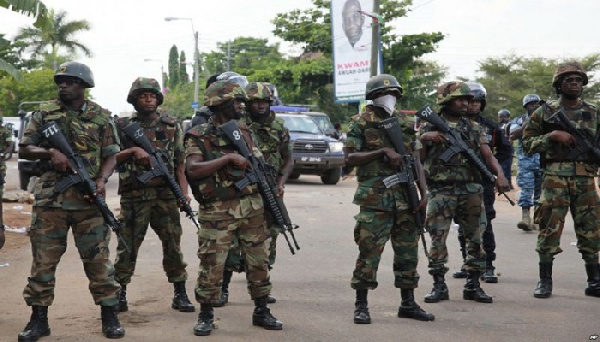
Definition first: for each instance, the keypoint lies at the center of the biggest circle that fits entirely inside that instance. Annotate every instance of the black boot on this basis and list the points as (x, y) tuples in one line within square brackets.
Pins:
[(181, 301), (111, 327), (206, 317), (271, 299), (473, 290), (593, 273), (123, 307), (224, 289), (262, 315), (544, 286), (439, 291), (37, 326), (462, 273), (488, 276), (361, 309), (410, 309)]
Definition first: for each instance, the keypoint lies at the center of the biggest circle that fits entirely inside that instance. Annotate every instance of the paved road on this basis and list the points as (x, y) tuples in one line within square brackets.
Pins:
[(315, 301)]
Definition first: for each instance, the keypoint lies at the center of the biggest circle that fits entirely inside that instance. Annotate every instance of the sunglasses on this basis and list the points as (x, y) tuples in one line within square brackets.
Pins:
[(67, 80), (572, 79)]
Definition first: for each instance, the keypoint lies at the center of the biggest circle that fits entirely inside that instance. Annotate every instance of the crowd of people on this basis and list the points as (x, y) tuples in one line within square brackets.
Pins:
[(453, 166)]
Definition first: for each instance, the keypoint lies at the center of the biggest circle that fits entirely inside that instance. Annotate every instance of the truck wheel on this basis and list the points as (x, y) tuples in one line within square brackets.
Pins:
[(294, 175), (332, 176), (23, 180)]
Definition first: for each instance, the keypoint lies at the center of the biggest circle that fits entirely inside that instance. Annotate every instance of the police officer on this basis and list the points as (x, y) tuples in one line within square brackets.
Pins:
[(506, 162), (213, 166), (6, 145), (454, 191), (152, 203), (567, 178), (273, 140), (501, 148), (90, 132), (384, 212), (529, 174)]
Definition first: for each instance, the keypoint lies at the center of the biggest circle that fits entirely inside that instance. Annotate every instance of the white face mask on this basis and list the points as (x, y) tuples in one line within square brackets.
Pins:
[(387, 102)]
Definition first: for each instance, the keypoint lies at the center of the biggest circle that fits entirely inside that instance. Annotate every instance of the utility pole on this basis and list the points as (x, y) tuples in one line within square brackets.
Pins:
[(375, 39)]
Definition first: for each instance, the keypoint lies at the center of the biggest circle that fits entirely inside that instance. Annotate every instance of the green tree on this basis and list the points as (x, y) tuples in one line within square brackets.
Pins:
[(37, 85), (49, 39), (174, 68), (32, 8)]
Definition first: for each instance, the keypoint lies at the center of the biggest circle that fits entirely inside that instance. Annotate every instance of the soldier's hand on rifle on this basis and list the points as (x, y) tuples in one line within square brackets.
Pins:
[(59, 160), (101, 187), (422, 205), (502, 184), (141, 157), (433, 136), (393, 157), (238, 161), (562, 137), (280, 189)]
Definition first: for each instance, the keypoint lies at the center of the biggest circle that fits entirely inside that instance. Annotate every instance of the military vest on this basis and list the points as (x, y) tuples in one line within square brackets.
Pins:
[(458, 169)]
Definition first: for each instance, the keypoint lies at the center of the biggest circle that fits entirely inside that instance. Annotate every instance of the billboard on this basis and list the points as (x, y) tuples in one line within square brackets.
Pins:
[(351, 34)]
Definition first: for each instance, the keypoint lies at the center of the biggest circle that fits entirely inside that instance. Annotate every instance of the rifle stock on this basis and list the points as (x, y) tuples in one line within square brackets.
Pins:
[(136, 134), (266, 182), (81, 177)]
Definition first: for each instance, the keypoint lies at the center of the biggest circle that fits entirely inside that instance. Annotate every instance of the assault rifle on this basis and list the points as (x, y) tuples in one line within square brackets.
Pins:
[(262, 174), (405, 176), (136, 134), (457, 145), (584, 138), (80, 177)]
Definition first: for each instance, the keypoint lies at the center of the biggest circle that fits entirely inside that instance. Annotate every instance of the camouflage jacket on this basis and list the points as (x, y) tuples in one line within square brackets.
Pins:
[(366, 134), (208, 141), (90, 133), (166, 136), (458, 169), (272, 139), (556, 158), (5, 141)]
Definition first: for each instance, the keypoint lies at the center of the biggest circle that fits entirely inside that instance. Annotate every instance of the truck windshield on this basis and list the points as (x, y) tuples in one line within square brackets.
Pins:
[(301, 124)]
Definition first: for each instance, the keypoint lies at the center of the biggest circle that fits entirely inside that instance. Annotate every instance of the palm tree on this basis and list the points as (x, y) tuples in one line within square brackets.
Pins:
[(32, 8), (55, 36)]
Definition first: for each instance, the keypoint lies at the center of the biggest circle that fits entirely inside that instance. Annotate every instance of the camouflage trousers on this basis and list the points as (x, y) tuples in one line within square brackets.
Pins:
[(372, 231), (529, 179), (236, 261), (466, 208), (163, 217), (559, 195), (48, 236), (244, 220)]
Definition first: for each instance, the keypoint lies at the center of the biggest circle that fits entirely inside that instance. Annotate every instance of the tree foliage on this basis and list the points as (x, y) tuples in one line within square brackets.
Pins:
[(37, 85)]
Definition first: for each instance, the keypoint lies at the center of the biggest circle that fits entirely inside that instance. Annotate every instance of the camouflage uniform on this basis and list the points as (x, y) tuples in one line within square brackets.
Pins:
[(384, 213), (226, 212), (5, 142), (91, 135), (529, 174), (153, 204), (567, 182)]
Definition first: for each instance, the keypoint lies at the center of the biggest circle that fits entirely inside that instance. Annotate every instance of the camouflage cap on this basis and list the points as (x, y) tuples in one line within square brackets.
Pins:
[(258, 91), (144, 83), (223, 91), (452, 90), (570, 67)]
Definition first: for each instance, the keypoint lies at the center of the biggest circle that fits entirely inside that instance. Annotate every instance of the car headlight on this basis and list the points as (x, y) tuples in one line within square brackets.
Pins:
[(335, 146)]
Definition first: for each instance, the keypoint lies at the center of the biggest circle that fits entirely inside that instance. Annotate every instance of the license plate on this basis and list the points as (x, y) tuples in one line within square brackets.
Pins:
[(311, 159)]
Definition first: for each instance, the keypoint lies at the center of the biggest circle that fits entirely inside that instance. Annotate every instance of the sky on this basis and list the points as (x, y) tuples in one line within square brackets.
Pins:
[(125, 33)]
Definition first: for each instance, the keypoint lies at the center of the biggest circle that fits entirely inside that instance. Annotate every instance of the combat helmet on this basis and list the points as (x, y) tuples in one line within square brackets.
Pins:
[(452, 90), (233, 76), (147, 84), (504, 113), (258, 91), (223, 91), (77, 70), (479, 93), (570, 67), (530, 98), (383, 82)]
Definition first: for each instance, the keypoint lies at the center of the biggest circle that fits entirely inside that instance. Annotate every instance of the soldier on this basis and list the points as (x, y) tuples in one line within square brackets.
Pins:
[(384, 213), (568, 176), (273, 140), (501, 147), (90, 132), (213, 166), (6, 145), (152, 203), (506, 163), (455, 191), (529, 174)]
